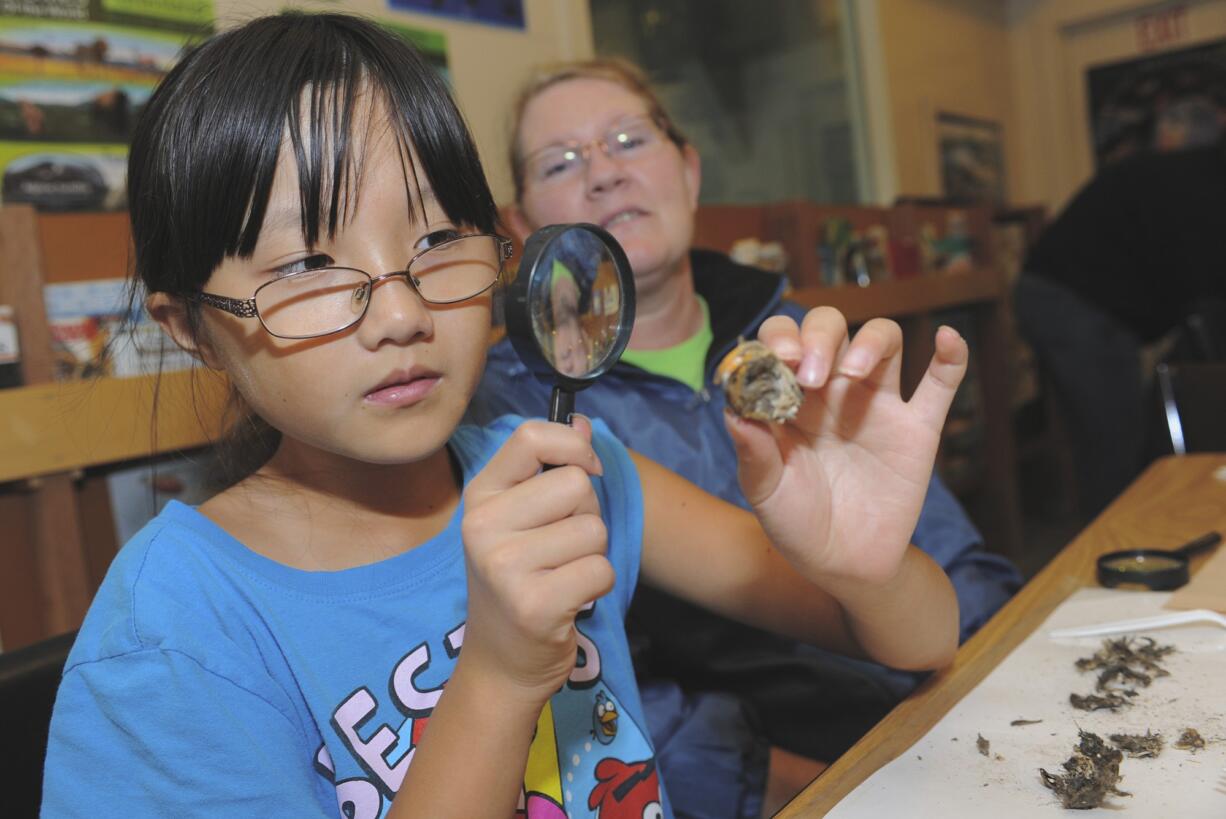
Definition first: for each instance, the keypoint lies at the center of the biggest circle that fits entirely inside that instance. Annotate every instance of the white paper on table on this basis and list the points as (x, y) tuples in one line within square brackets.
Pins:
[(944, 775)]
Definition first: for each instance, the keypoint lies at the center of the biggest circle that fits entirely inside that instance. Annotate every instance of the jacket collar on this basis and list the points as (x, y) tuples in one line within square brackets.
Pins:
[(739, 297)]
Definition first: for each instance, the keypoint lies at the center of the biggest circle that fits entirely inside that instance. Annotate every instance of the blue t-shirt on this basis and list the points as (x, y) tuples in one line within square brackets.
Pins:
[(209, 680)]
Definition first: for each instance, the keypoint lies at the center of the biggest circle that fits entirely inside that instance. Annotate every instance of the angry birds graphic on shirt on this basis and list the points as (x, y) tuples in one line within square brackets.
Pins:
[(587, 760), (626, 791), (604, 719)]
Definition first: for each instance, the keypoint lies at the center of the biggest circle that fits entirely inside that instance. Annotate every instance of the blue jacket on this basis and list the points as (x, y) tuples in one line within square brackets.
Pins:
[(684, 430)]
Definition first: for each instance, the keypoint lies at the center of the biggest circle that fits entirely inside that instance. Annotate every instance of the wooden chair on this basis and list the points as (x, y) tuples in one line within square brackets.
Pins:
[(29, 678)]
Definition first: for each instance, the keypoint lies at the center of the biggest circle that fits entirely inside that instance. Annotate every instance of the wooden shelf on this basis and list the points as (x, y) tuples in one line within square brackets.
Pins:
[(80, 246), (50, 431), (904, 297), (65, 426)]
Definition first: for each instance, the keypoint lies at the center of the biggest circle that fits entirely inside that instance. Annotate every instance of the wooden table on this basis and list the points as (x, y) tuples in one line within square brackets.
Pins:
[(1175, 500)]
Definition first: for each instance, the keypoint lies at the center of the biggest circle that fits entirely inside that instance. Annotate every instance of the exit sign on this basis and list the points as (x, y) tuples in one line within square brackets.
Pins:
[(1161, 28)]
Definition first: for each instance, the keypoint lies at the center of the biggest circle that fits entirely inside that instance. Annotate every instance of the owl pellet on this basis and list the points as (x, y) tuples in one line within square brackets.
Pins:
[(758, 385)]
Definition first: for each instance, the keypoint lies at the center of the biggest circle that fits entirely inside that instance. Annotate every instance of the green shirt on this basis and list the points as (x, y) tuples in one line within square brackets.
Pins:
[(684, 362)]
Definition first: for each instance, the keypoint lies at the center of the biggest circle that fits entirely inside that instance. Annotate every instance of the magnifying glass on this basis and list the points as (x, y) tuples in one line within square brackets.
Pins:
[(1157, 569), (570, 310)]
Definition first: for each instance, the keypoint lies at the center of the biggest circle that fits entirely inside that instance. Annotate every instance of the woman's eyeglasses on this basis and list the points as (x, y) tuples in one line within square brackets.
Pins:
[(327, 300), (556, 164)]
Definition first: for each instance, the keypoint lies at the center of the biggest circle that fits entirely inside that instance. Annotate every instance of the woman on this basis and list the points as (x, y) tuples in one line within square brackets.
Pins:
[(592, 143)]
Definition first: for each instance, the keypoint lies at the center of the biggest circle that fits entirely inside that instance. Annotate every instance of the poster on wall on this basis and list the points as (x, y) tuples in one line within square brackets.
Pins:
[(1160, 102), (971, 158), (74, 76), (509, 13)]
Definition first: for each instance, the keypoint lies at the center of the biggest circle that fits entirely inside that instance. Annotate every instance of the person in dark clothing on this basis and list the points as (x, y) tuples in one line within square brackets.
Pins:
[(1136, 251), (592, 144)]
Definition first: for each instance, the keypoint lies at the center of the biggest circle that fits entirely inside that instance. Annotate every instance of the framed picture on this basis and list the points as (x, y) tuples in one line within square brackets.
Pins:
[(74, 78), (1160, 102), (971, 157), (509, 13)]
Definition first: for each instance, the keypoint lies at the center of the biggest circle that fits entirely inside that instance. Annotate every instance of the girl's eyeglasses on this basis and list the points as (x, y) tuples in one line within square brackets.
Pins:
[(327, 300)]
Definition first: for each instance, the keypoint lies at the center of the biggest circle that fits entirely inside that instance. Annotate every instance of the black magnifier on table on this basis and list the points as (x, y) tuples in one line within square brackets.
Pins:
[(1156, 569), (570, 310)]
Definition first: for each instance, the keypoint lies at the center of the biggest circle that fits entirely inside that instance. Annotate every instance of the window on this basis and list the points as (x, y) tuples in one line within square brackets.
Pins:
[(763, 90)]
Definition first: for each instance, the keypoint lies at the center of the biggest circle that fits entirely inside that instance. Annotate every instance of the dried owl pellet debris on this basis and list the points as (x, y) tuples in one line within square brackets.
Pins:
[(1123, 664), (1190, 740), (1138, 746), (1093, 702), (1092, 773)]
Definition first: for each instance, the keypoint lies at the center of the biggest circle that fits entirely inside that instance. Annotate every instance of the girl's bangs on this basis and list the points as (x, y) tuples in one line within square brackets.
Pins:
[(205, 153), (329, 128)]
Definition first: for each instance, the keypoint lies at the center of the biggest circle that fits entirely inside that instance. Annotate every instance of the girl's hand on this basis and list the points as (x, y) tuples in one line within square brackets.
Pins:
[(840, 487), (535, 548)]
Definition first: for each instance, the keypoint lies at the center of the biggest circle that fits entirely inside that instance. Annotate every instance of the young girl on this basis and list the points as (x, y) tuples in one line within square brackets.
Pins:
[(310, 216)]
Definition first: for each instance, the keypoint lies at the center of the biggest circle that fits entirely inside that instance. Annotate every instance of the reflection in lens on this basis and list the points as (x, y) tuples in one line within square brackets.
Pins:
[(1143, 563), (575, 303), (312, 302), (571, 354)]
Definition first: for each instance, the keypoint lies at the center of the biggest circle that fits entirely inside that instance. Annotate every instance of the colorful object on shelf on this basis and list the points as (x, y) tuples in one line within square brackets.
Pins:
[(950, 252), (848, 256), (10, 349), (93, 333), (905, 253), (834, 239), (763, 255)]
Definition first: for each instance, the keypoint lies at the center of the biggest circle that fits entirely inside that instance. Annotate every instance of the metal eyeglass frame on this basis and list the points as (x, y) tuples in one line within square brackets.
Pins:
[(246, 308), (584, 149)]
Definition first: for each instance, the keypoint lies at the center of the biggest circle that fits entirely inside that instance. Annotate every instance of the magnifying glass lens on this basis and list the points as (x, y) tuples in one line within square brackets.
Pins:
[(1149, 568), (1142, 563), (571, 309), (1156, 569)]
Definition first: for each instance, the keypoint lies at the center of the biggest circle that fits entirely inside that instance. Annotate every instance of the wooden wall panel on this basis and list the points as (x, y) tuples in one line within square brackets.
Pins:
[(79, 246)]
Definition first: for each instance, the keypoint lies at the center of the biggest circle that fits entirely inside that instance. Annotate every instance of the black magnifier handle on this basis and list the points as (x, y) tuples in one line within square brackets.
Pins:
[(561, 411), (1205, 541), (562, 406)]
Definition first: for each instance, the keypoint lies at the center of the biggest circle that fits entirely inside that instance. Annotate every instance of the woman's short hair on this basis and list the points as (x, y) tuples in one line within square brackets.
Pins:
[(612, 69)]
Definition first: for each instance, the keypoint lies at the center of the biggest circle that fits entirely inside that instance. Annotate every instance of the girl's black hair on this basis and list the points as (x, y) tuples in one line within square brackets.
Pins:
[(205, 150), (204, 154)]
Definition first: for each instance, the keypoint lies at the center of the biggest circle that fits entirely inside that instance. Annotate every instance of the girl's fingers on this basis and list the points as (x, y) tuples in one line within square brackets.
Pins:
[(878, 343), (533, 445), (542, 499), (556, 544), (577, 583), (582, 425), (936, 389)]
